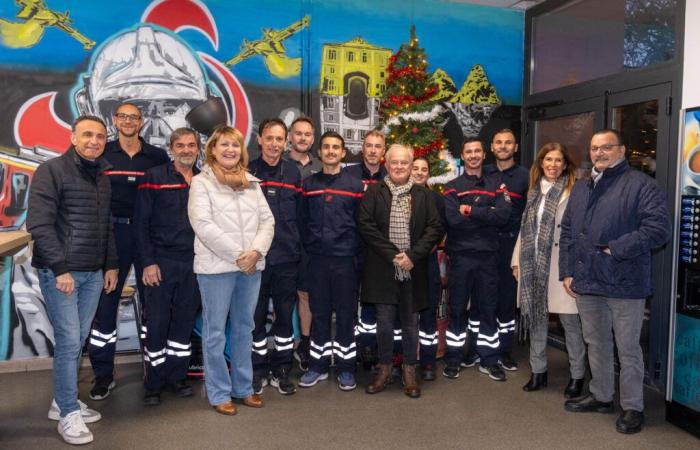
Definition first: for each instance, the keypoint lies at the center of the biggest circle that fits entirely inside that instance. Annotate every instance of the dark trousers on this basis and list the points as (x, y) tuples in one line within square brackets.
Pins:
[(473, 275), (171, 310), (507, 292), (332, 287), (366, 328), (386, 320), (103, 336), (427, 333), (279, 283)]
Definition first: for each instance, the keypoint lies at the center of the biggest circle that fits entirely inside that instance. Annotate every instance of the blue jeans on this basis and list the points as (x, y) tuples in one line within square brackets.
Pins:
[(71, 317), (232, 296)]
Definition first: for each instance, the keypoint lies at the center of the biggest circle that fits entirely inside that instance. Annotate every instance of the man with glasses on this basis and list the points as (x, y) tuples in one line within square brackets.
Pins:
[(611, 225), (130, 156)]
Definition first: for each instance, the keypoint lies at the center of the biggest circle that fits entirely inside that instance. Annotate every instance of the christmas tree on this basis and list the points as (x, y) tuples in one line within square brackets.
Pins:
[(410, 113)]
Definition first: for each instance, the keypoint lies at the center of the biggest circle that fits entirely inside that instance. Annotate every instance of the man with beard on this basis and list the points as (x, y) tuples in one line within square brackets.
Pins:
[(130, 156), (301, 140), (166, 250), (516, 178)]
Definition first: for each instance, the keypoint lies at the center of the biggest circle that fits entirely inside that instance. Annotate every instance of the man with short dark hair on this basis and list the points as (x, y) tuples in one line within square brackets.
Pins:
[(281, 184), (329, 233), (516, 178), (76, 259), (476, 204), (129, 156), (166, 249), (612, 223)]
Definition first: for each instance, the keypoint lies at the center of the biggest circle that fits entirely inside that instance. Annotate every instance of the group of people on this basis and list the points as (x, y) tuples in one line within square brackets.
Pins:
[(310, 237)]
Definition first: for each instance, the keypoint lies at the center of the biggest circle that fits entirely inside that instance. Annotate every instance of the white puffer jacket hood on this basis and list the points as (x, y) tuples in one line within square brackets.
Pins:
[(227, 222)]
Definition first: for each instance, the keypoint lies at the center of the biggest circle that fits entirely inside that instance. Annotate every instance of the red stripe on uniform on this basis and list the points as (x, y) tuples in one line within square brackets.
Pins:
[(449, 191), (370, 181), (333, 191), (512, 194), (163, 186), (278, 184), (476, 192), (124, 172)]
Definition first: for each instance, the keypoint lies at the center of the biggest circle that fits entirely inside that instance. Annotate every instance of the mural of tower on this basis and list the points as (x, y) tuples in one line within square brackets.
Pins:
[(352, 78)]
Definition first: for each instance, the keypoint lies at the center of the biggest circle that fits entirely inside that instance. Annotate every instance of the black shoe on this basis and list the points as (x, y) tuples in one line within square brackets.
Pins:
[(103, 386), (151, 398), (470, 360), (302, 356), (507, 362), (259, 383), (588, 404), (428, 372), (451, 371), (280, 380), (537, 382), (182, 388), (368, 355), (494, 372), (574, 388), (630, 422)]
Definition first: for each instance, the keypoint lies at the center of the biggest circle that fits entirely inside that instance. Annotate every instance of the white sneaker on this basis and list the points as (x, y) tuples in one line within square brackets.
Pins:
[(73, 430), (89, 415)]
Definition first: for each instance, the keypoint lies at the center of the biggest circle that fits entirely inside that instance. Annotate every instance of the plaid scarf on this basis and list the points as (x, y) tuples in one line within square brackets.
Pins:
[(534, 262), (399, 218)]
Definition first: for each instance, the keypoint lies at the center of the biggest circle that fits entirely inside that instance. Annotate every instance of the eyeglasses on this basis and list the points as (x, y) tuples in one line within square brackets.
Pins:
[(399, 163), (605, 148), (124, 117)]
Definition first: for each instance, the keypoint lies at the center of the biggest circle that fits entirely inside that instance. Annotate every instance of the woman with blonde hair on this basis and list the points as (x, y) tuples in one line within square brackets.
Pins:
[(535, 265), (233, 228)]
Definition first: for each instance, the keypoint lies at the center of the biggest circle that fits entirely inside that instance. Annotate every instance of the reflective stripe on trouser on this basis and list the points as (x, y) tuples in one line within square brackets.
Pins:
[(427, 319), (507, 292), (171, 309), (332, 288), (101, 349), (473, 276), (279, 283), (366, 329)]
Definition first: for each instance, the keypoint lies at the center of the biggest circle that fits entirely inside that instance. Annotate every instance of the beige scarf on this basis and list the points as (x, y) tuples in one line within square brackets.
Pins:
[(234, 178)]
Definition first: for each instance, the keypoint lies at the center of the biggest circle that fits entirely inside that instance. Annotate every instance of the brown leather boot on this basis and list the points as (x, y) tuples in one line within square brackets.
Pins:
[(410, 382), (381, 379)]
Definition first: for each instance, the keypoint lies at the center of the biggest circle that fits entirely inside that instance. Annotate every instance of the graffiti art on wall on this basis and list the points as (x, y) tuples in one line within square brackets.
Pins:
[(277, 58)]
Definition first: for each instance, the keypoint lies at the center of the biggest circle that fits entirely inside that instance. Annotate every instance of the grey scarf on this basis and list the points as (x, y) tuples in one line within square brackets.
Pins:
[(534, 263), (399, 219)]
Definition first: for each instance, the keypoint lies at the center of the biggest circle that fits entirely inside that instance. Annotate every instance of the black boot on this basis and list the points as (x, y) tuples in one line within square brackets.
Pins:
[(574, 388), (537, 382)]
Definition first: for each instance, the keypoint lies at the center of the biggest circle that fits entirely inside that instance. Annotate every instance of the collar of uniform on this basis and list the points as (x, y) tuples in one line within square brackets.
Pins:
[(173, 171), (378, 175), (474, 177), (115, 147)]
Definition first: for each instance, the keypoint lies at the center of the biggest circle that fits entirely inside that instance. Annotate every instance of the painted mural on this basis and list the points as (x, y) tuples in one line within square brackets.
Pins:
[(263, 58)]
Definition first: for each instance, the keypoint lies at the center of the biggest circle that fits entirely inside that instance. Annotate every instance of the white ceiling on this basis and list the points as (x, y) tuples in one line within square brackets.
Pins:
[(513, 4)]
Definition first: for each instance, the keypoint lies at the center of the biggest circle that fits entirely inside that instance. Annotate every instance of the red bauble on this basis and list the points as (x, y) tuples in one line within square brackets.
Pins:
[(415, 130)]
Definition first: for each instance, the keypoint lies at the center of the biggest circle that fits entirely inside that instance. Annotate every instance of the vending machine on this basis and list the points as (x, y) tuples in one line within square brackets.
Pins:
[(683, 393)]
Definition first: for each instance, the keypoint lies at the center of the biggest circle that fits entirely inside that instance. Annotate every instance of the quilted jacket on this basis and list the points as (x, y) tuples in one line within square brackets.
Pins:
[(227, 222)]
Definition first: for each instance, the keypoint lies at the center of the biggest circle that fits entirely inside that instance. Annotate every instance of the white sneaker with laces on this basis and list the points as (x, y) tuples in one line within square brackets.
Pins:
[(89, 414), (73, 430)]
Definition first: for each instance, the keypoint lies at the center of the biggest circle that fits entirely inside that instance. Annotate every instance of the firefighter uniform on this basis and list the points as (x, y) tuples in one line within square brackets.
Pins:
[(165, 238), (329, 234), (125, 175), (472, 246), (516, 179), (281, 185)]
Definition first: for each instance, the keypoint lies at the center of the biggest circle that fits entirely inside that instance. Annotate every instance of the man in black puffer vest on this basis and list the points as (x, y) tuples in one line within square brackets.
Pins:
[(75, 257)]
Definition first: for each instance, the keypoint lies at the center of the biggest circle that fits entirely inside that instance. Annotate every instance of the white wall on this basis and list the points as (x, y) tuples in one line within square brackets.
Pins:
[(691, 55)]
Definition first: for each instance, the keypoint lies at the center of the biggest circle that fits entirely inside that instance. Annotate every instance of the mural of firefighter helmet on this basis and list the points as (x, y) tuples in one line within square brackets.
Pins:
[(152, 68)]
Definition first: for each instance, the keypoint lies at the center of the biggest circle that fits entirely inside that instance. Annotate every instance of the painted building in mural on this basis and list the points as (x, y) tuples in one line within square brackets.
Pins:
[(59, 59), (353, 77)]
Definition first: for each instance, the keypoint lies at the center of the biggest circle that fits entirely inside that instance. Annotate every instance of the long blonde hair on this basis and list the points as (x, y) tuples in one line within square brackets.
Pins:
[(536, 172)]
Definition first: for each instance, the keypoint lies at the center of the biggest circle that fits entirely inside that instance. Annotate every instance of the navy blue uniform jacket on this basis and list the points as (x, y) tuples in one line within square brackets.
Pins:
[(625, 212), (516, 178), (281, 185), (328, 213)]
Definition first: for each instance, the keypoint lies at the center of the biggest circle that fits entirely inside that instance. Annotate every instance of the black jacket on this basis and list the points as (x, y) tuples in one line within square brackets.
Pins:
[(69, 217), (378, 282)]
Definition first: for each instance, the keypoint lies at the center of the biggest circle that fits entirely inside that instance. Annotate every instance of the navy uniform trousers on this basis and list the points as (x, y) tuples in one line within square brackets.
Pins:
[(473, 276), (507, 290), (332, 288), (171, 310), (103, 335), (427, 319), (279, 282)]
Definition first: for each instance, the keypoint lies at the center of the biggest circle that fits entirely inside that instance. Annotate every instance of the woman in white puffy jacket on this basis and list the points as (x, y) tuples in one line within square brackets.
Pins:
[(234, 227)]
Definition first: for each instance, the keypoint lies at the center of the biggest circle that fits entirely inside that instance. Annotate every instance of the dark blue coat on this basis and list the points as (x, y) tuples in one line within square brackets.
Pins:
[(478, 231), (361, 172), (281, 185), (625, 212), (329, 211)]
